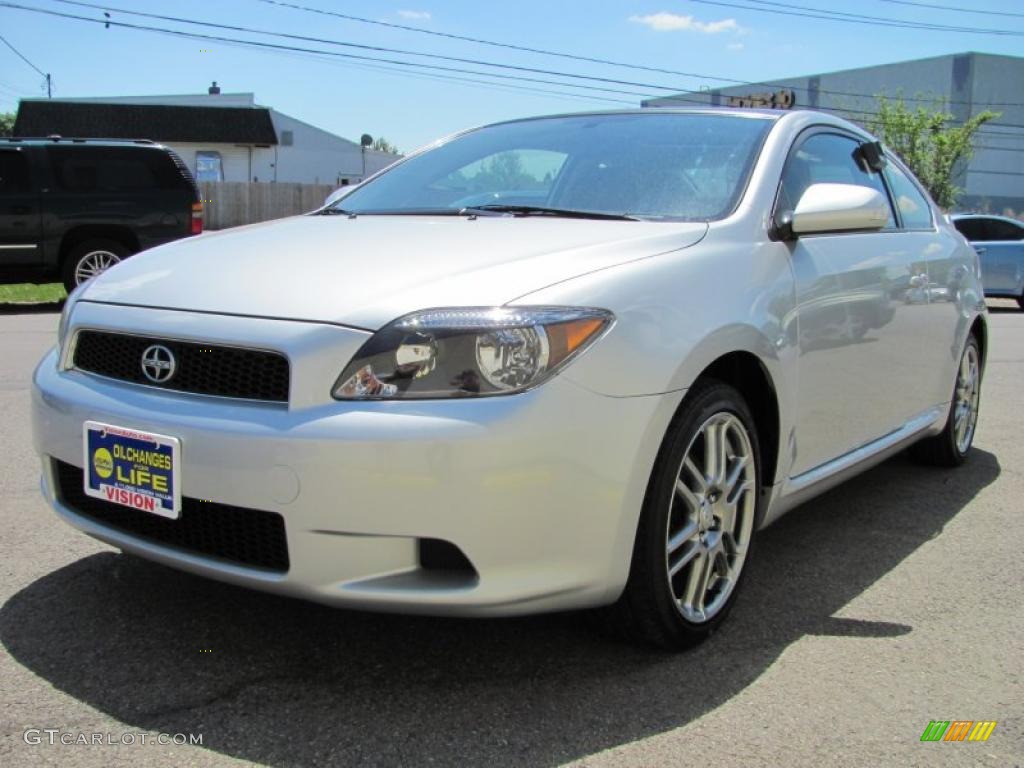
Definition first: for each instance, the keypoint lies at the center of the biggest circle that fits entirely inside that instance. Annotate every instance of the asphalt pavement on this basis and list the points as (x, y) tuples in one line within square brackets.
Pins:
[(891, 601)]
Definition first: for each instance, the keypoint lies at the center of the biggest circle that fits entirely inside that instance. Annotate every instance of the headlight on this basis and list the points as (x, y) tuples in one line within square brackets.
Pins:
[(468, 352)]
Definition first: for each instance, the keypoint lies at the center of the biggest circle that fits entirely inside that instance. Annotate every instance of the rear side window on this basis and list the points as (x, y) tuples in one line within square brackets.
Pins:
[(1004, 230), (914, 208), (972, 229), (827, 158), (14, 176), (100, 169), (982, 230)]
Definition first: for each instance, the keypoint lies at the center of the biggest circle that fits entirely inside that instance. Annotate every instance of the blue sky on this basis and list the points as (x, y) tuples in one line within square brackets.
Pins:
[(349, 99)]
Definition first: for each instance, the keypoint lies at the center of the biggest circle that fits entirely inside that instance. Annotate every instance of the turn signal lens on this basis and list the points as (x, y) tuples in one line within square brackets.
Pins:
[(474, 351)]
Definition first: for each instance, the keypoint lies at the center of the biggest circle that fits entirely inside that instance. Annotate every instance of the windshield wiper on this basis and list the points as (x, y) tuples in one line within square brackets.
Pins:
[(539, 210), (335, 212)]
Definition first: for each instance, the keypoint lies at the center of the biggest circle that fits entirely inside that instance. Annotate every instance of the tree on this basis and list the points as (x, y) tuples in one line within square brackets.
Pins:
[(7, 123), (383, 145), (929, 141)]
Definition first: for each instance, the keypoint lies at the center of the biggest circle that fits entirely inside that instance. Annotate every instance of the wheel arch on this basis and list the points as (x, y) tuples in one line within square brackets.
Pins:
[(78, 235), (746, 373), (979, 328)]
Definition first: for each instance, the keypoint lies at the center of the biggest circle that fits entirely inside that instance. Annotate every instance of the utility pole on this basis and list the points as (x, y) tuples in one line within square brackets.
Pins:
[(49, 86)]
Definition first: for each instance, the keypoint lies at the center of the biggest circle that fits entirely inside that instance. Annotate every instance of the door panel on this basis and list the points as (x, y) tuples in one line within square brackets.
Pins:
[(860, 303), (20, 220), (1001, 266), (860, 297), (1000, 246)]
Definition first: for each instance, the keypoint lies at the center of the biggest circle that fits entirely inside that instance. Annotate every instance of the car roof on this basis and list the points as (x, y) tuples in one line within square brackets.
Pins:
[(958, 216), (743, 112), (795, 119)]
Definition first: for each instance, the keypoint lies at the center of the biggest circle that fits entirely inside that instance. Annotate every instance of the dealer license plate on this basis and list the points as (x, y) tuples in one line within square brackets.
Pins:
[(132, 468)]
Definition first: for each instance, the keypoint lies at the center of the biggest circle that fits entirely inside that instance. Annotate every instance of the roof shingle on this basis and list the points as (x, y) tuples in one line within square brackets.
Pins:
[(229, 125)]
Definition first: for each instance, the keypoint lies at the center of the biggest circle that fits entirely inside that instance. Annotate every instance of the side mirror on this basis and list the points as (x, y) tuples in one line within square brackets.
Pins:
[(838, 208)]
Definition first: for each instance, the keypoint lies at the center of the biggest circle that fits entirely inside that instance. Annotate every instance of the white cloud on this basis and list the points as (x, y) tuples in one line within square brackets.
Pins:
[(416, 15), (671, 22), (734, 47)]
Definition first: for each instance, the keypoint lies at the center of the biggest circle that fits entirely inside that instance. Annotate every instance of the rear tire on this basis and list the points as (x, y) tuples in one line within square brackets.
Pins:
[(1020, 301), (696, 528), (951, 446), (88, 259)]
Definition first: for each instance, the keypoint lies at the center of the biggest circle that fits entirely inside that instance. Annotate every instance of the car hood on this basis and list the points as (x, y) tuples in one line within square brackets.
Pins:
[(366, 271)]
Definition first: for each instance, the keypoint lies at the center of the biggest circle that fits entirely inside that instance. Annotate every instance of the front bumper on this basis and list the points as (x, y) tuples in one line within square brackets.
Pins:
[(541, 491)]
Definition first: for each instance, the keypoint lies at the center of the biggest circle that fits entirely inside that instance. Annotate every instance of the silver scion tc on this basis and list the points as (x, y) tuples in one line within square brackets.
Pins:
[(548, 364)]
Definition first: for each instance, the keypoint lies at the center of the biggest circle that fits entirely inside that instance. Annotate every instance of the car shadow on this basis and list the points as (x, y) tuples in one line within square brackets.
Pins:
[(37, 308), (286, 683)]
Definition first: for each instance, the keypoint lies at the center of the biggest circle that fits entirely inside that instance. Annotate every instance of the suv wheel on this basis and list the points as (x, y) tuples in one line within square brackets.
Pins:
[(697, 525), (88, 259)]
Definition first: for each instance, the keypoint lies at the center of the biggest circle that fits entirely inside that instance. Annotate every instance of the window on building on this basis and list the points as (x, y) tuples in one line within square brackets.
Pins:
[(209, 166), (14, 177), (287, 138), (914, 208), (827, 158)]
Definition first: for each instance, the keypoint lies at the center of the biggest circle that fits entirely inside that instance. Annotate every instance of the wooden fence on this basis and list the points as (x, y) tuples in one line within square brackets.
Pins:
[(232, 203)]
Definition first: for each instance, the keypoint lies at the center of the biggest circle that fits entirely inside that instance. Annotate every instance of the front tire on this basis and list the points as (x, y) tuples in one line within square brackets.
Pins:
[(88, 259), (950, 447), (697, 525)]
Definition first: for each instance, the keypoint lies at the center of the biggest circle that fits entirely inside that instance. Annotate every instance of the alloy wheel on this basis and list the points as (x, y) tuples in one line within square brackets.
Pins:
[(968, 392), (93, 263), (711, 517)]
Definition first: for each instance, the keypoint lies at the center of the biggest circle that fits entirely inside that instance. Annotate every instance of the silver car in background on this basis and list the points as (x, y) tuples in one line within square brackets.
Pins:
[(556, 363), (999, 241)]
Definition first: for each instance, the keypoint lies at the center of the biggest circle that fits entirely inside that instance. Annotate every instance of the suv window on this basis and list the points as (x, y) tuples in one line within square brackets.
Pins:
[(14, 176), (914, 208), (827, 158), (99, 169)]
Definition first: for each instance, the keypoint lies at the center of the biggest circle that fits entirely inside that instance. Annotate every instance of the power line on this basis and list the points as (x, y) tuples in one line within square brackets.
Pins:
[(22, 56), (577, 57), (355, 57), (397, 62), (856, 18), (481, 41), (49, 82), (346, 44), (461, 60), (443, 78), (948, 8)]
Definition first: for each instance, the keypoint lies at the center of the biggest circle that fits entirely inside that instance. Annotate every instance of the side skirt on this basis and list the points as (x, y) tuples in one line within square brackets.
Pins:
[(816, 481)]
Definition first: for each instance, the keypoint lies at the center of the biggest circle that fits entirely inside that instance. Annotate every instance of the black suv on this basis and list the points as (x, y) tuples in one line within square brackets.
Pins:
[(70, 208)]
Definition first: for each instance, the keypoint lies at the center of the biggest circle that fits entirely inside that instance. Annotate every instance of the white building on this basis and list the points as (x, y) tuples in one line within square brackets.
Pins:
[(220, 136)]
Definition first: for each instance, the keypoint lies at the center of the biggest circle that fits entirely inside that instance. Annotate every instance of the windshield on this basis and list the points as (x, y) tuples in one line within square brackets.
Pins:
[(689, 167)]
